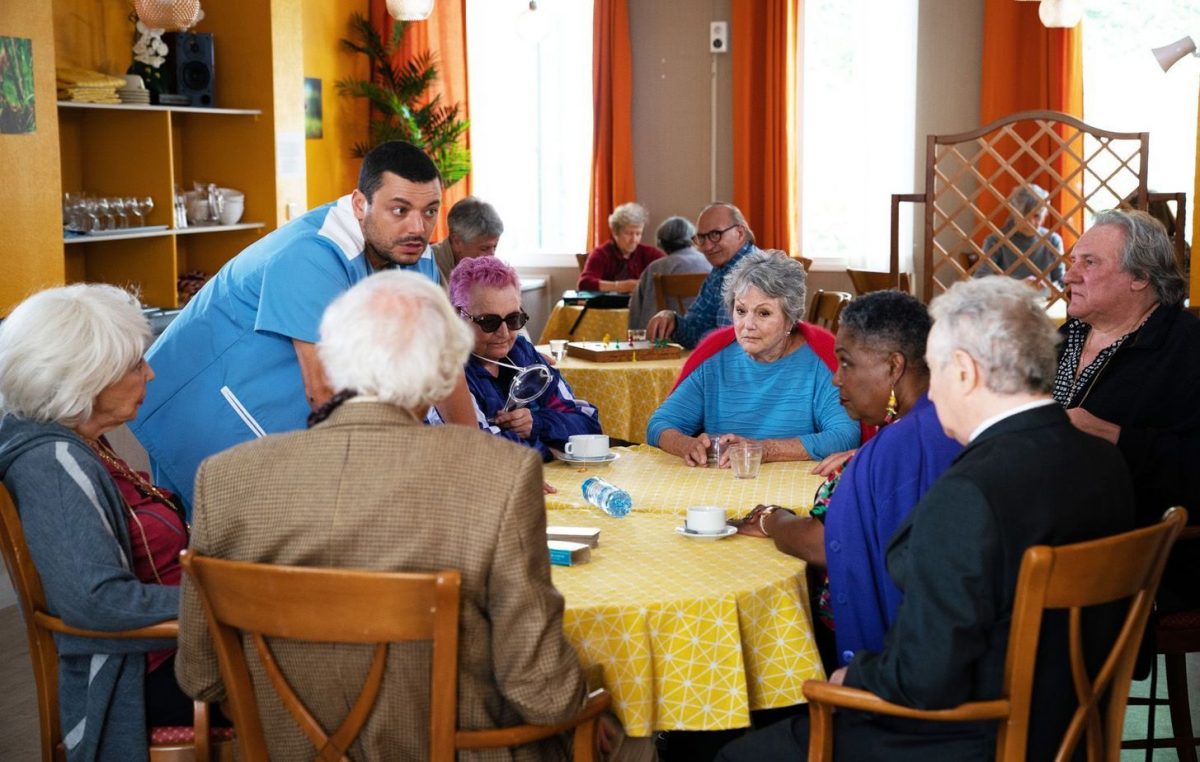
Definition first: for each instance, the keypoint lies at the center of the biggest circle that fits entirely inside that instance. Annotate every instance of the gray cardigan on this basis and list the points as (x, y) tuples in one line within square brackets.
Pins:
[(78, 536)]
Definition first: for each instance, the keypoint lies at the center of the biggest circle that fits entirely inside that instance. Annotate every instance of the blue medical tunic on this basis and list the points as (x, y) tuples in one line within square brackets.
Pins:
[(226, 370)]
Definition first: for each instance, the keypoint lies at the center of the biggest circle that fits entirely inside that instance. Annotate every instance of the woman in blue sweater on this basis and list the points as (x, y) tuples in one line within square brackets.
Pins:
[(769, 386)]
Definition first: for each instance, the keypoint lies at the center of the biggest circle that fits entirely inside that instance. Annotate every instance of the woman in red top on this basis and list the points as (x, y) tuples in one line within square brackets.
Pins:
[(617, 264)]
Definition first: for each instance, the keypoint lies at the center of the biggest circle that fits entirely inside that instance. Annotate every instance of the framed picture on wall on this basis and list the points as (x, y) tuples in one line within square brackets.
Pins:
[(17, 112), (313, 126)]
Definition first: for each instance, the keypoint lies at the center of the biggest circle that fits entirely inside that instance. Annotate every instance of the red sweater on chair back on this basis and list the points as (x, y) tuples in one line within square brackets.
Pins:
[(820, 340)]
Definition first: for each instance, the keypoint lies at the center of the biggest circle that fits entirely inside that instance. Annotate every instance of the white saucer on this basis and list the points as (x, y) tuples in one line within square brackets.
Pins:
[(585, 461), (696, 536)]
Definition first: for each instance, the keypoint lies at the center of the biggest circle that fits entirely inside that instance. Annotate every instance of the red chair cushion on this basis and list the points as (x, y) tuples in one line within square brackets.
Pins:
[(175, 735)]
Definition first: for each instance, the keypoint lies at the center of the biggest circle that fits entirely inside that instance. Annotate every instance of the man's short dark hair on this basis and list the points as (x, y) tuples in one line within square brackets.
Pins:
[(399, 158)]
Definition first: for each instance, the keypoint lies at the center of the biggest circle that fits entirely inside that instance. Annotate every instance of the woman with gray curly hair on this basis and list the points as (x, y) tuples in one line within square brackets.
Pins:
[(104, 538), (770, 386), (617, 264)]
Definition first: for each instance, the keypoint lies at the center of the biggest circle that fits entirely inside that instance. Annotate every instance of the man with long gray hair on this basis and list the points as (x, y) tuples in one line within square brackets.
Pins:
[(1129, 371), (474, 231)]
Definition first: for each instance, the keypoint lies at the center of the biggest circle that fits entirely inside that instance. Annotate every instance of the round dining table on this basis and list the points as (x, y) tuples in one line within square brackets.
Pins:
[(688, 633)]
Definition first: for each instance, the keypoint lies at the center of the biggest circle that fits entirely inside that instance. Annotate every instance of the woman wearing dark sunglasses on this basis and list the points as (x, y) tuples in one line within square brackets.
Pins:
[(487, 294)]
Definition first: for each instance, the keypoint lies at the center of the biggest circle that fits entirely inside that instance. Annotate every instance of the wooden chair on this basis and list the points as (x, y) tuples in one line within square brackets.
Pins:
[(337, 605), (866, 281), (1175, 636), (1074, 577), (826, 309), (167, 743), (582, 260), (804, 261), (681, 287)]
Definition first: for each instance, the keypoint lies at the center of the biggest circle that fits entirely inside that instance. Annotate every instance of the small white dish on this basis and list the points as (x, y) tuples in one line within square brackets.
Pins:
[(700, 536), (585, 461)]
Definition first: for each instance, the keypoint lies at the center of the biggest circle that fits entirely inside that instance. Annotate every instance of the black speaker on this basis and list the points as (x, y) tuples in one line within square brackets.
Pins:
[(189, 66)]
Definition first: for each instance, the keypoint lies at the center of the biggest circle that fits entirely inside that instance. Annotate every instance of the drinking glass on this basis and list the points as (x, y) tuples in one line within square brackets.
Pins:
[(117, 205), (146, 205), (745, 458)]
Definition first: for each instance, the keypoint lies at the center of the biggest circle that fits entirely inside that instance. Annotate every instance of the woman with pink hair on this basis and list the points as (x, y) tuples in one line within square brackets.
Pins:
[(487, 294)]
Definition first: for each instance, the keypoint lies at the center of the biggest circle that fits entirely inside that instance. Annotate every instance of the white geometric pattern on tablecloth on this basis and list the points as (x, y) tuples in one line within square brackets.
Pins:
[(689, 635)]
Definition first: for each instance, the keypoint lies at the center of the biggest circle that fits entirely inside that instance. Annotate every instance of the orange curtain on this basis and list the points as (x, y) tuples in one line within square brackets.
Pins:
[(1025, 67), (763, 47), (612, 106), (445, 33)]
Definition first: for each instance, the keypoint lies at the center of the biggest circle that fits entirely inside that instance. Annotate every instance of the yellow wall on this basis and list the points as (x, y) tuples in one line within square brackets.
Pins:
[(93, 34), (332, 170), (31, 252)]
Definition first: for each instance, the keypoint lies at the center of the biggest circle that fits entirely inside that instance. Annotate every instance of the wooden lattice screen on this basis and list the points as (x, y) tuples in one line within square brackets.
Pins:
[(970, 176)]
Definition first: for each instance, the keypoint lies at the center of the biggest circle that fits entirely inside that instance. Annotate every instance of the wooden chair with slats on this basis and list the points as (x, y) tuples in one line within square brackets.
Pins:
[(675, 291), (340, 606), (168, 744), (1072, 577), (826, 309), (582, 260), (866, 281)]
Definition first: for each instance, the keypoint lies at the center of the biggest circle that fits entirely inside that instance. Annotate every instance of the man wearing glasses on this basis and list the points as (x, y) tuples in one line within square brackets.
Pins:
[(723, 237), (240, 361)]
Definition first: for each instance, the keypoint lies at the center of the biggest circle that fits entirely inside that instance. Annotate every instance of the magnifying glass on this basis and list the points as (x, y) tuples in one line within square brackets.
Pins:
[(527, 386)]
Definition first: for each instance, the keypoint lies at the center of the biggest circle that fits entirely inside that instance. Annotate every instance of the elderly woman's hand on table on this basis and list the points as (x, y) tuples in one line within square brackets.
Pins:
[(693, 450), (519, 421)]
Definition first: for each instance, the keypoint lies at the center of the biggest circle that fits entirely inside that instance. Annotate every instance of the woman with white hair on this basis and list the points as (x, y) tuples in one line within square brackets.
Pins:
[(617, 264), (769, 386), (105, 540)]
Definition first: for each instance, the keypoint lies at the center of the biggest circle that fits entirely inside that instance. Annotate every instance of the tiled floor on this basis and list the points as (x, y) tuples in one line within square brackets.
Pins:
[(18, 700)]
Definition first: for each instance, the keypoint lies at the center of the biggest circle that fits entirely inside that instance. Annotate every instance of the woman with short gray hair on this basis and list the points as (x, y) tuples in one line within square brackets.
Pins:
[(769, 386), (104, 538), (617, 264)]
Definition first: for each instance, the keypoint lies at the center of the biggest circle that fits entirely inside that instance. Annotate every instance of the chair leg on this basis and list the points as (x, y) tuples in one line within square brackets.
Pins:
[(1181, 712)]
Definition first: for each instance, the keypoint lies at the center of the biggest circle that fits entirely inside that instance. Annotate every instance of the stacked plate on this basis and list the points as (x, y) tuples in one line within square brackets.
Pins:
[(134, 90)]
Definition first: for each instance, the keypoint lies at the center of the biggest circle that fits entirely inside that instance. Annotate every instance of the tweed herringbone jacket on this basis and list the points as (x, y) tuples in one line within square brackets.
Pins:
[(371, 488)]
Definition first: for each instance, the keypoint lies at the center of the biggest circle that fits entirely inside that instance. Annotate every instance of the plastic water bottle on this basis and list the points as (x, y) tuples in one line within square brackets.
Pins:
[(612, 500)]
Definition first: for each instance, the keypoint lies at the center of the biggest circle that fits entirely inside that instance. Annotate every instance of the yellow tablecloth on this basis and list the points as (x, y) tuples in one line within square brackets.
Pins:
[(595, 325), (660, 483), (689, 634), (625, 393)]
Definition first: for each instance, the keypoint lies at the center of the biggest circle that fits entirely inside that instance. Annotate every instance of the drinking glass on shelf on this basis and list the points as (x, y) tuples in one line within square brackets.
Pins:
[(145, 205), (134, 208), (104, 213), (117, 206)]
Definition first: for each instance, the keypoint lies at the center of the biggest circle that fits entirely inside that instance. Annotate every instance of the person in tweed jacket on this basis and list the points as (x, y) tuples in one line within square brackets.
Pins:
[(369, 487)]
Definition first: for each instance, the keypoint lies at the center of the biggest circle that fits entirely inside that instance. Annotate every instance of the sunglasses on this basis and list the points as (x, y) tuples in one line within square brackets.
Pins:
[(491, 323), (712, 236)]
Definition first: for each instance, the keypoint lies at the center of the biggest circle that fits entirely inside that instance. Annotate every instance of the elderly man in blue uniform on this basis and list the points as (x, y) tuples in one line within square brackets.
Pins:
[(240, 361), (723, 237)]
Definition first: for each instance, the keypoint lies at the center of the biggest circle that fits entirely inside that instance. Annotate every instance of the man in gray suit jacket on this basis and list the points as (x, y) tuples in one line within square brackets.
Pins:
[(1025, 477), (369, 487)]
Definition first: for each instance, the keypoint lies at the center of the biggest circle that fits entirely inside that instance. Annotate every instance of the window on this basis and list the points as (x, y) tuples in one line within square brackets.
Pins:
[(531, 122), (859, 73), (1124, 89)]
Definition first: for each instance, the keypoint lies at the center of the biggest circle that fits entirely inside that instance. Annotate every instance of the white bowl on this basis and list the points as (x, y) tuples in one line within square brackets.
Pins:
[(232, 211)]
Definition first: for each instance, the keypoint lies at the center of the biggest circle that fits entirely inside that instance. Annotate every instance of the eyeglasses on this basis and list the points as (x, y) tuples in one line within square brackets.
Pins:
[(712, 236), (491, 323)]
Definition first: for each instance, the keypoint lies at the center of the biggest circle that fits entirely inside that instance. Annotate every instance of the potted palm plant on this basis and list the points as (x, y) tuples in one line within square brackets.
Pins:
[(401, 108)]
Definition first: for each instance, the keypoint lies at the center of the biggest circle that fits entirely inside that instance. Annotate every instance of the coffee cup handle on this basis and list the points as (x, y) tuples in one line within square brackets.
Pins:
[(568, 449)]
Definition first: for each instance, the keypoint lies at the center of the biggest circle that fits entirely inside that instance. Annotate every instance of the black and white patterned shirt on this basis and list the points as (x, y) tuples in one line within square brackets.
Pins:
[(1069, 390)]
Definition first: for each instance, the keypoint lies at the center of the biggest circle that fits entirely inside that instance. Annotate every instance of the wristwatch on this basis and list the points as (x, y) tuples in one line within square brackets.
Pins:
[(762, 517)]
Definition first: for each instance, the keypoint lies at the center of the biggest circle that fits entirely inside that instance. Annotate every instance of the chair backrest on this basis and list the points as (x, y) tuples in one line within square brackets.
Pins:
[(332, 606), (804, 261), (826, 309), (582, 260), (866, 281), (31, 598), (679, 287), (1072, 578)]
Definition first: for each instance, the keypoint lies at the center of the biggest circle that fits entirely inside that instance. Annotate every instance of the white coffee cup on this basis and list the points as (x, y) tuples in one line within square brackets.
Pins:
[(706, 519), (587, 446)]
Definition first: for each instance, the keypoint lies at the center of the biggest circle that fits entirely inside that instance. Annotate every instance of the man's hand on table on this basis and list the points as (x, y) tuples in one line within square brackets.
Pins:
[(661, 326)]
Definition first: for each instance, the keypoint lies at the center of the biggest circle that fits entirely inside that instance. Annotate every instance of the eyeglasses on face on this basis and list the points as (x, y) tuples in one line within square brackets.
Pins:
[(712, 236), (491, 323)]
